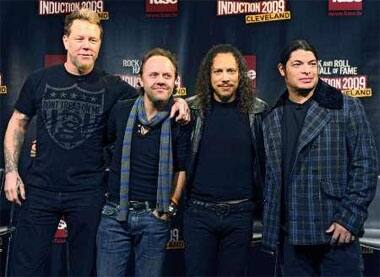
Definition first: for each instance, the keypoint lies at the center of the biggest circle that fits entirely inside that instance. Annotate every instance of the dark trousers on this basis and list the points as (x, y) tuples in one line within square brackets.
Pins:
[(321, 260), (217, 239), (37, 222)]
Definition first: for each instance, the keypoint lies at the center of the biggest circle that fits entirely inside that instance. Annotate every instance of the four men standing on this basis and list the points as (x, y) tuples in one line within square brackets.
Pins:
[(320, 164)]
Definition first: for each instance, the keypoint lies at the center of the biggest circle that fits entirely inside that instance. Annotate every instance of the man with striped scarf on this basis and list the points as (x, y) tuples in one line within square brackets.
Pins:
[(146, 175)]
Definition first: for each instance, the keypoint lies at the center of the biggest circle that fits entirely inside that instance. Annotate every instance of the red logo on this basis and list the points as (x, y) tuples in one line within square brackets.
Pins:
[(51, 60), (251, 66), (345, 5), (161, 6)]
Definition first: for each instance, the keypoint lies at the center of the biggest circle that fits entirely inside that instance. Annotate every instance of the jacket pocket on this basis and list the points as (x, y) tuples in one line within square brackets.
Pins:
[(331, 194), (332, 189)]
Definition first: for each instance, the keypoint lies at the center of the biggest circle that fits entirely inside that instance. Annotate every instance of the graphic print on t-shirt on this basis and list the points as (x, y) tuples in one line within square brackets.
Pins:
[(71, 114)]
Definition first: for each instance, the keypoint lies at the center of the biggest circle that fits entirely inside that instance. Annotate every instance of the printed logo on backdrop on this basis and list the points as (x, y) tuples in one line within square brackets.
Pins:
[(3, 87), (161, 8), (175, 242), (345, 7), (251, 66), (71, 114), (341, 74), (255, 11), (53, 7), (132, 66)]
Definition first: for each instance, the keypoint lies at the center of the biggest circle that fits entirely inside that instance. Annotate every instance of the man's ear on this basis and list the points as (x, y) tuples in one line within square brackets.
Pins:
[(281, 69), (65, 41), (139, 82)]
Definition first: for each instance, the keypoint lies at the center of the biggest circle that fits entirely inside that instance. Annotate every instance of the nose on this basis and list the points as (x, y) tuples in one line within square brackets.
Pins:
[(86, 44), (161, 79), (225, 76), (306, 69)]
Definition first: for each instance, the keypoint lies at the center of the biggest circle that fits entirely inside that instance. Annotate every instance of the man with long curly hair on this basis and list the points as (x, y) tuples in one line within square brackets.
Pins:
[(226, 166)]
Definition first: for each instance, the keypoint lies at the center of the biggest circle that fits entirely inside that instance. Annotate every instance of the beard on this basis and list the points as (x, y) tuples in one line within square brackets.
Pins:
[(159, 104), (305, 91), (83, 68), (224, 98)]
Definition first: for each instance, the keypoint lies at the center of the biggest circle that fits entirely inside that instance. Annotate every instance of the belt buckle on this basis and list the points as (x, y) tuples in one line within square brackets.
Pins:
[(139, 206), (222, 208), (135, 206)]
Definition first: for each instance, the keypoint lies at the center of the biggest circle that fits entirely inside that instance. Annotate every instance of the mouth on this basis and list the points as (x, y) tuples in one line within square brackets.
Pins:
[(85, 56), (160, 90), (306, 80), (225, 86)]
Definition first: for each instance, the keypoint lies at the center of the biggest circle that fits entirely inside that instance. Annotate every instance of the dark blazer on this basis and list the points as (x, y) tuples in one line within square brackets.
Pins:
[(334, 173)]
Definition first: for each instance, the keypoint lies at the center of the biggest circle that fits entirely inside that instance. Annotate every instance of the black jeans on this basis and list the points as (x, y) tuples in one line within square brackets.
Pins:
[(217, 239), (320, 260), (38, 221)]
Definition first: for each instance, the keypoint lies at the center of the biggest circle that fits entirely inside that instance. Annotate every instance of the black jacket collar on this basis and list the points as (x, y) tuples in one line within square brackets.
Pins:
[(325, 95)]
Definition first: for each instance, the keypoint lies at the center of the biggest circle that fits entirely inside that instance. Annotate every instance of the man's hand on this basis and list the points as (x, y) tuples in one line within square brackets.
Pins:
[(339, 234), (14, 187), (163, 216), (181, 108), (33, 149)]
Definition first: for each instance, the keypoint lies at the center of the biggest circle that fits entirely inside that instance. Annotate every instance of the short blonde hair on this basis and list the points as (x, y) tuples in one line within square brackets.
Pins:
[(82, 14)]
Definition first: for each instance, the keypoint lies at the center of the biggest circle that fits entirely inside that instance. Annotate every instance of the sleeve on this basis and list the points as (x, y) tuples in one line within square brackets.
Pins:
[(126, 90), (111, 129), (181, 152), (26, 99), (362, 171)]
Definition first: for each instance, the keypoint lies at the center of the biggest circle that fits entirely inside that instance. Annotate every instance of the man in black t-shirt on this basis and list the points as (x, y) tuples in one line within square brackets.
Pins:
[(72, 103), (225, 172), (146, 174)]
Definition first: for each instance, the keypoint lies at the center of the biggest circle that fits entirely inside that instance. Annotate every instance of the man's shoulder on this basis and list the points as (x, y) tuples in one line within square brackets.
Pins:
[(41, 72), (124, 104), (193, 102), (114, 83), (259, 106)]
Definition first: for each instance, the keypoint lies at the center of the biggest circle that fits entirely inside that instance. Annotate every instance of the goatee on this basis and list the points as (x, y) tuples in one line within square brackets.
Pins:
[(304, 92)]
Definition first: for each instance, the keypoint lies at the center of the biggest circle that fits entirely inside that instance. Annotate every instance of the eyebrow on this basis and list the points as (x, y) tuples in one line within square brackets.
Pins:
[(299, 61)]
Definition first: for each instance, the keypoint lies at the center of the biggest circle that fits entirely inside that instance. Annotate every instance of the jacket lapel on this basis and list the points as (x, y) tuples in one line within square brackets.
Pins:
[(274, 142), (316, 118)]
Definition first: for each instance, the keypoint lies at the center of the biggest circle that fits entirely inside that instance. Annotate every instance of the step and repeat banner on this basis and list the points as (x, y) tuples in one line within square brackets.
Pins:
[(346, 34)]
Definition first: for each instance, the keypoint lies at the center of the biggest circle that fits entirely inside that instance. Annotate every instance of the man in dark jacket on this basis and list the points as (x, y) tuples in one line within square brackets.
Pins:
[(226, 166), (321, 167)]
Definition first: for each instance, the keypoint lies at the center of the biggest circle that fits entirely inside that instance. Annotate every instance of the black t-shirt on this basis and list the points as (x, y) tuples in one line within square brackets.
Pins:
[(293, 120), (224, 164), (144, 154), (71, 115)]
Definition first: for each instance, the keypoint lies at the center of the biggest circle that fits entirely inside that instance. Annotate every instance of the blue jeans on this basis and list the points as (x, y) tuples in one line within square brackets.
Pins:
[(217, 240), (320, 260), (37, 222), (143, 236)]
